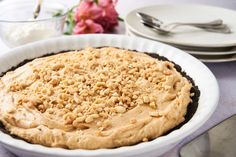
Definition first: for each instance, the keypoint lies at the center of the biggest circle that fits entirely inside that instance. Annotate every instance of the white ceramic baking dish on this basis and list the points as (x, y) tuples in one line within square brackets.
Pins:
[(202, 76)]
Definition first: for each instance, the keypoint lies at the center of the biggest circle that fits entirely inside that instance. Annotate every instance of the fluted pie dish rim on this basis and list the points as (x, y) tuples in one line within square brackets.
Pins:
[(198, 72)]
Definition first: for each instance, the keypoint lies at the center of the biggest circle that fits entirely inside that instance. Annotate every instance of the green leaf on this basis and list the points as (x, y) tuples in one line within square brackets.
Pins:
[(67, 33), (120, 19), (70, 22), (58, 13), (95, 1)]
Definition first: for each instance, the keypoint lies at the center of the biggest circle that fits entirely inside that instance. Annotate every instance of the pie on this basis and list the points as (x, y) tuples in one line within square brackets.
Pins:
[(94, 98)]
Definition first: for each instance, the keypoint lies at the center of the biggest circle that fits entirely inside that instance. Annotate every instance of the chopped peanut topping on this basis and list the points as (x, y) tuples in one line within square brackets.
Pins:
[(110, 83)]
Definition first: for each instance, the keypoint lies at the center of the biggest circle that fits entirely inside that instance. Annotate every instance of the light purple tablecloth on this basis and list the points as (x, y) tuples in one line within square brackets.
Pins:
[(224, 72)]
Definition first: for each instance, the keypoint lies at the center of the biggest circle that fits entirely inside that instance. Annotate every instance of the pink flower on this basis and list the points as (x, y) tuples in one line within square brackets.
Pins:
[(94, 17), (110, 16), (87, 9), (87, 26)]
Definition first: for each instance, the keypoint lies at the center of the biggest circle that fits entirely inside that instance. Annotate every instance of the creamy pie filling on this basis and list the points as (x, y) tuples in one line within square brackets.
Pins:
[(93, 98)]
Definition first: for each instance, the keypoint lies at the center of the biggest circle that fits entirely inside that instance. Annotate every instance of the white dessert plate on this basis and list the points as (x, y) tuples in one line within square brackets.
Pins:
[(186, 36), (201, 75), (196, 50), (204, 56), (216, 58)]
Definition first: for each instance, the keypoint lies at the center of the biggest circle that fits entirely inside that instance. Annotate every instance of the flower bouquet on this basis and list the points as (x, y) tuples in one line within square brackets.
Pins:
[(92, 16)]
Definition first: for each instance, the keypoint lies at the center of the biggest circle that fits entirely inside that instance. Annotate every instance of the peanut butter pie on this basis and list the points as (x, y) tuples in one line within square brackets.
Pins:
[(93, 98)]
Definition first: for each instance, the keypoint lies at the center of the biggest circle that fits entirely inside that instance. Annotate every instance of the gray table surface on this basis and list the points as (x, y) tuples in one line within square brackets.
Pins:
[(224, 72)]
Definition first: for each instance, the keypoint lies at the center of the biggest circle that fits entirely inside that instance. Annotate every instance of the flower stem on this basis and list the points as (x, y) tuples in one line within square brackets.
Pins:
[(120, 19)]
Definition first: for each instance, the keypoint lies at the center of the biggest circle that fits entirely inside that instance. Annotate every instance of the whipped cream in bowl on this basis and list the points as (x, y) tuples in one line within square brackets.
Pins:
[(17, 26)]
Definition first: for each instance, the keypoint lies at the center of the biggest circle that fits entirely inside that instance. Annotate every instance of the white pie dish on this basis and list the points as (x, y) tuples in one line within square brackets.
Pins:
[(202, 76)]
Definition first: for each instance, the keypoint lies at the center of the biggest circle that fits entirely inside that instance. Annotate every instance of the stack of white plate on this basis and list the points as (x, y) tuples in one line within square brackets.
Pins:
[(207, 46)]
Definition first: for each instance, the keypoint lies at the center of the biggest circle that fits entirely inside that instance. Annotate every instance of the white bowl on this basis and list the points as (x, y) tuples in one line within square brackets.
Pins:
[(202, 76)]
